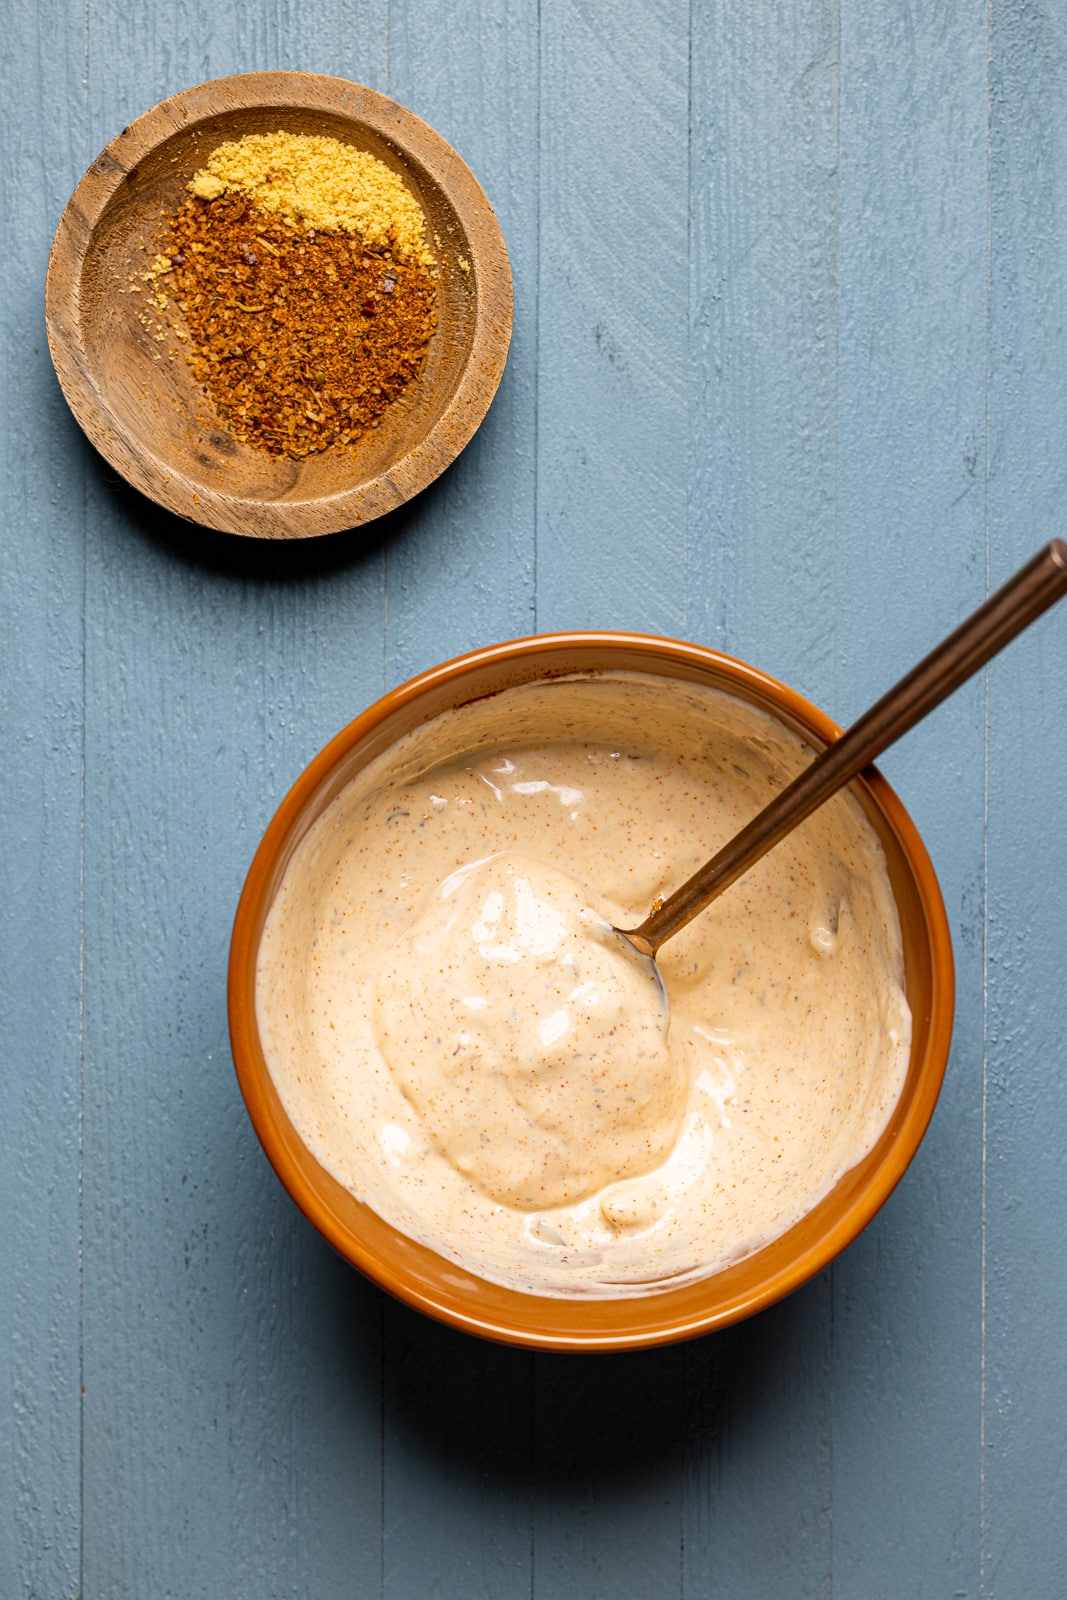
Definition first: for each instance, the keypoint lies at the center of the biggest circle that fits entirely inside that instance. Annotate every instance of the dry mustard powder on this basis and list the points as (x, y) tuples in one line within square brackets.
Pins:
[(318, 183)]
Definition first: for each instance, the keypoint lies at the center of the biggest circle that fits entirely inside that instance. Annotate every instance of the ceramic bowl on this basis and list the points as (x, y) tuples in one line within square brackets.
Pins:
[(145, 412), (425, 1280)]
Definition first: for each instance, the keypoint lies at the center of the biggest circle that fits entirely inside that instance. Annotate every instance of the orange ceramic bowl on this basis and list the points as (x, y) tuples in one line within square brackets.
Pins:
[(438, 1287)]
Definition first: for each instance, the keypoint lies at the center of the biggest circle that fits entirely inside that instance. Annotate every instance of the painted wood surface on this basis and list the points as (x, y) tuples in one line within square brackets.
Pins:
[(788, 377)]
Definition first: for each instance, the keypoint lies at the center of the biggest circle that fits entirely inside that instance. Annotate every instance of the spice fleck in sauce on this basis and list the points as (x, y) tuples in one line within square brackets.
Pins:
[(461, 1041)]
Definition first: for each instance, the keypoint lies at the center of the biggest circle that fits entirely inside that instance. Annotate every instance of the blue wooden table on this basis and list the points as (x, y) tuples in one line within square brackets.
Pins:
[(789, 377)]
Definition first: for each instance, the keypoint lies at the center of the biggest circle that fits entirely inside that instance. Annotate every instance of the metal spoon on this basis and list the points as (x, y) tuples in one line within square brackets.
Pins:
[(1021, 601)]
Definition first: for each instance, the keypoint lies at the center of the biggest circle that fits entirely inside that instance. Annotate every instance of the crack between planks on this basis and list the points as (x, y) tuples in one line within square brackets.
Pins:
[(985, 829), (80, 1137), (688, 317), (536, 420), (837, 712), (381, 1445)]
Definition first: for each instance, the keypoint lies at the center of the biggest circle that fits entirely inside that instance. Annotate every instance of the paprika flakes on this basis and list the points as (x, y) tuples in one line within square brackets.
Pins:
[(302, 335)]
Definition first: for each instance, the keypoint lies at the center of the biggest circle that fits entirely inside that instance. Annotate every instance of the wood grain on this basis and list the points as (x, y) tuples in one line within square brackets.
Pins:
[(42, 719), (457, 1418), (761, 584), (912, 429), (1024, 1544), (611, 455)]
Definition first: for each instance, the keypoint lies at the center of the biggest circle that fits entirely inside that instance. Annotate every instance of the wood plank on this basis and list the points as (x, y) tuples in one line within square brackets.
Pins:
[(763, 385), (42, 726), (762, 585), (216, 1327), (612, 319), (460, 559), (758, 1430), (608, 1434), (1025, 1366), (457, 1443), (460, 573), (612, 447), (233, 1365), (912, 254)]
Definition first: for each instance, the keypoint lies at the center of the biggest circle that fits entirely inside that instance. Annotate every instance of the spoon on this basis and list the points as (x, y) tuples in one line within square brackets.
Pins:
[(1021, 601)]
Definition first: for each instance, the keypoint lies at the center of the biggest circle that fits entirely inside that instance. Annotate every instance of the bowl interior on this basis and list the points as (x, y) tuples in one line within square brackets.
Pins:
[(136, 396), (415, 1273)]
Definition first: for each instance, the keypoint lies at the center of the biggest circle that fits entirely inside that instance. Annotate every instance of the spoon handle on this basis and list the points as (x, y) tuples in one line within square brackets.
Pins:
[(1021, 601)]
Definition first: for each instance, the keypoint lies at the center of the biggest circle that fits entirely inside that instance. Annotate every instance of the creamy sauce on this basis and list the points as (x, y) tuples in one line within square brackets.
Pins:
[(532, 1045), (460, 1039)]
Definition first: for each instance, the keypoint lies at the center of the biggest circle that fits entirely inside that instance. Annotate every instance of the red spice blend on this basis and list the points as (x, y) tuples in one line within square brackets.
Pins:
[(301, 338)]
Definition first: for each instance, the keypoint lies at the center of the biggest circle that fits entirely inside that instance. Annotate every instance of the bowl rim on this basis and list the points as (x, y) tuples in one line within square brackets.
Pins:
[(421, 461), (647, 1330)]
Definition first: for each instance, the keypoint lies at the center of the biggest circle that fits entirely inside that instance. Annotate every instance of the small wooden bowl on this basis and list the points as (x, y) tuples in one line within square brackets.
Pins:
[(146, 413)]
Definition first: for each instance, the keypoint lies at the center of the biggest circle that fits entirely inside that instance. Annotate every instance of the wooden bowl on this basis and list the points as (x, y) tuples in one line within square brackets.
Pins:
[(426, 1280), (147, 414)]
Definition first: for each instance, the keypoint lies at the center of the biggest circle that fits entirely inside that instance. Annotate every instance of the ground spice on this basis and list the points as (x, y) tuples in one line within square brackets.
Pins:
[(301, 336)]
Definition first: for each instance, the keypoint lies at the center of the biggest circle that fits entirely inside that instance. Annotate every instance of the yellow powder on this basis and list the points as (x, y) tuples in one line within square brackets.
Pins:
[(319, 183)]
